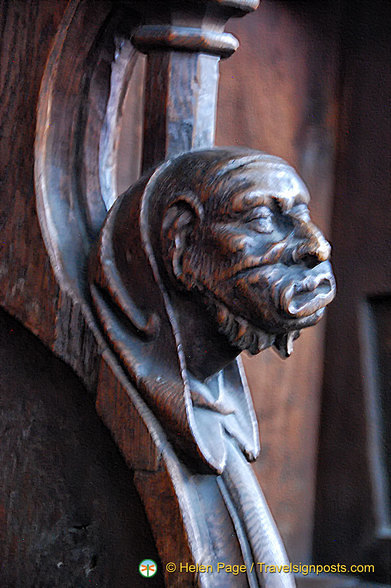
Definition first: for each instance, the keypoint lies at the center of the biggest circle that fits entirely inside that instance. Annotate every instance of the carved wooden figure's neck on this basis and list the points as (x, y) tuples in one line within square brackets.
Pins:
[(207, 352)]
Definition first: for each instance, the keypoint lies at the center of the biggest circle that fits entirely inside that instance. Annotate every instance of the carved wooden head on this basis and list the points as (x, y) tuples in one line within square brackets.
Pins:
[(236, 227), (214, 246)]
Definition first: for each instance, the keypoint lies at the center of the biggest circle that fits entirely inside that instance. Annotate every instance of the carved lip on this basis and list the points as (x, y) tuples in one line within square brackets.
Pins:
[(304, 298)]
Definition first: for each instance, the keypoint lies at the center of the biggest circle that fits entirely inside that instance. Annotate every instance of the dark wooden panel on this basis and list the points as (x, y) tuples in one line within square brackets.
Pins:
[(27, 31), (65, 491), (348, 523), (379, 348)]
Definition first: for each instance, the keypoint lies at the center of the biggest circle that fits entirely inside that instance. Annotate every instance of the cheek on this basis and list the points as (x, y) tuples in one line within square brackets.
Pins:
[(211, 265), (229, 244), (252, 297)]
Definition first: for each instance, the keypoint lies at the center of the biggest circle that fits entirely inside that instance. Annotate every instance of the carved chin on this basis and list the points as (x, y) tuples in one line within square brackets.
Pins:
[(280, 299), (245, 336), (268, 306)]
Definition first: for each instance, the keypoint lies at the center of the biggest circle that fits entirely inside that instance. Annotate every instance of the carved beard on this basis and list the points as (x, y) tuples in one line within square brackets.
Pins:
[(241, 334), (239, 331)]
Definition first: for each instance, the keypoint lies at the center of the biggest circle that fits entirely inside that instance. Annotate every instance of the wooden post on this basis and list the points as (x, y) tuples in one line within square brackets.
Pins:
[(184, 45)]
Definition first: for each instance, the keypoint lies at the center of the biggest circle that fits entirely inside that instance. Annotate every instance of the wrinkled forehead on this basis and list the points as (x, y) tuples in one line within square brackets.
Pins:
[(260, 184)]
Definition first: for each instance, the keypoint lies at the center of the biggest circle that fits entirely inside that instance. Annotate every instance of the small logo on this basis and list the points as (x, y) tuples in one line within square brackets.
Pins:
[(147, 568)]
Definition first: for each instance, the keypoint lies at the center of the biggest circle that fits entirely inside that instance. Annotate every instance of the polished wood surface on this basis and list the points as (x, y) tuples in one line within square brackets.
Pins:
[(27, 35), (184, 44)]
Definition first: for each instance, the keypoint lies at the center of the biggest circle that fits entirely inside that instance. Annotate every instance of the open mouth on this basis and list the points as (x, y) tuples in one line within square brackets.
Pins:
[(308, 296)]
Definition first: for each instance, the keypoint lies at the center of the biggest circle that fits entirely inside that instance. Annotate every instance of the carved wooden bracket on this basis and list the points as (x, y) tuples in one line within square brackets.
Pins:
[(210, 253)]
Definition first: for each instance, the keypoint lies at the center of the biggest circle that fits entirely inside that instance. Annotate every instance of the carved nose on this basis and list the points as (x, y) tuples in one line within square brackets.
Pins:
[(313, 249)]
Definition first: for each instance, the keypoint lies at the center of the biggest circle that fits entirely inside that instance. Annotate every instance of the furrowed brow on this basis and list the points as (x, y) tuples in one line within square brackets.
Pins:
[(248, 200), (287, 201)]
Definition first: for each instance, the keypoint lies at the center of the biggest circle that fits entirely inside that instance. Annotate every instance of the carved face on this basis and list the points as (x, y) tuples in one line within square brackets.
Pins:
[(257, 257)]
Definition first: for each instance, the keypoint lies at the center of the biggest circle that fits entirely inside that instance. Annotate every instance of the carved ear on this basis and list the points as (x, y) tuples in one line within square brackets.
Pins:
[(181, 219)]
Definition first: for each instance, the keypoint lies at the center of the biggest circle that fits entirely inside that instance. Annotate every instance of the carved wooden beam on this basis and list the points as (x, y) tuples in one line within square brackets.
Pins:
[(184, 43)]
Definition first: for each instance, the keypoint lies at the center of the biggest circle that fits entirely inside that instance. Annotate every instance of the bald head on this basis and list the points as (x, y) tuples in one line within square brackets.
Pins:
[(236, 228)]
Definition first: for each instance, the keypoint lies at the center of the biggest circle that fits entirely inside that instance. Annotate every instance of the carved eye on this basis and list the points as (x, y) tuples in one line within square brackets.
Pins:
[(261, 220)]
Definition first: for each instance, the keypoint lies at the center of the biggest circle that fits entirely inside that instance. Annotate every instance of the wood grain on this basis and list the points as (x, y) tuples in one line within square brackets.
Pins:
[(25, 272), (65, 490)]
